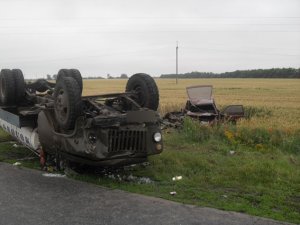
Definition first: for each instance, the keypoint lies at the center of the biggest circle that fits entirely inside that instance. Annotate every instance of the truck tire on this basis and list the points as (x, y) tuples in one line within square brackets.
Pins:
[(147, 94), (67, 102), (74, 73), (7, 87), (19, 85), (77, 76)]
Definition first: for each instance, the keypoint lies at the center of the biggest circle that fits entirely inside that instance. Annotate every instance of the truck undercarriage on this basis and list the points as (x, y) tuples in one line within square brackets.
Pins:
[(107, 130)]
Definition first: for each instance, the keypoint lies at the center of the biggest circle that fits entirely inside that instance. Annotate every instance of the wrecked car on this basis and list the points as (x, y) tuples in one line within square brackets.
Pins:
[(54, 119), (201, 106)]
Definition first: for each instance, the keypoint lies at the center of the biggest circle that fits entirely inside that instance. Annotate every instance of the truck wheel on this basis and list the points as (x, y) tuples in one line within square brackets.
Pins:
[(19, 85), (7, 87), (77, 76), (147, 94), (74, 73), (67, 102)]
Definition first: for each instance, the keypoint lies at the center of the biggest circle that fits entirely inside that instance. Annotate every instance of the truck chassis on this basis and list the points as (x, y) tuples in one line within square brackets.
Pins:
[(54, 119)]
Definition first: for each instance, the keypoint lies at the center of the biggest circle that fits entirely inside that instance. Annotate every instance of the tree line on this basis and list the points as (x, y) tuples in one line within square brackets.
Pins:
[(256, 73)]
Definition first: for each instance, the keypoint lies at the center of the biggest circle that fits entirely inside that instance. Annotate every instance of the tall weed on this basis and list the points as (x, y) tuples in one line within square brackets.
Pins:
[(255, 138)]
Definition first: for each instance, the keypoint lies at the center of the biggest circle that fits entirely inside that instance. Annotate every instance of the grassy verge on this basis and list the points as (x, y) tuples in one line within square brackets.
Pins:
[(256, 171)]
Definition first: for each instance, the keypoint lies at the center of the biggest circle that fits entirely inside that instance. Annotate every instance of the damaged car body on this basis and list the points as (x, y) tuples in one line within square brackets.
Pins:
[(102, 130), (202, 107)]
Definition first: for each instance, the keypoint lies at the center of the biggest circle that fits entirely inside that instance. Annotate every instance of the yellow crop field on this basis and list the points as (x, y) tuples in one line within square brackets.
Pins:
[(280, 96)]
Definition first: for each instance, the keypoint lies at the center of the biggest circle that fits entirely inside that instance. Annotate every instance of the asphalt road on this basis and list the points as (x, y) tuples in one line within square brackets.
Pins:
[(27, 197)]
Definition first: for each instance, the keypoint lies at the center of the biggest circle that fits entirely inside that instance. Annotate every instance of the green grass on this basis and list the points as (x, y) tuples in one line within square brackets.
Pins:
[(261, 177), (11, 154)]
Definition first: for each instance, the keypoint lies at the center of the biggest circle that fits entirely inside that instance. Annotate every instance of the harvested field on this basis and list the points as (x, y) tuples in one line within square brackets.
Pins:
[(275, 101)]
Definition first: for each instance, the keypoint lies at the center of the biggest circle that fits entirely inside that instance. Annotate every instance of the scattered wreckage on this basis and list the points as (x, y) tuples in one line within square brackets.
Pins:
[(55, 120), (201, 107)]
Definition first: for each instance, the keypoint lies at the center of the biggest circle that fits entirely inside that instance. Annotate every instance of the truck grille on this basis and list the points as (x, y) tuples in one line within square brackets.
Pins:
[(126, 140)]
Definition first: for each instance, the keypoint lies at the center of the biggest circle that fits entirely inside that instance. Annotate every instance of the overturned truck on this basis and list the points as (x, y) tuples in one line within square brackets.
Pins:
[(54, 119)]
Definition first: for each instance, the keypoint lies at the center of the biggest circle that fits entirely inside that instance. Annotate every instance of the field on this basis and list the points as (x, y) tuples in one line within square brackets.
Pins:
[(252, 168), (280, 97)]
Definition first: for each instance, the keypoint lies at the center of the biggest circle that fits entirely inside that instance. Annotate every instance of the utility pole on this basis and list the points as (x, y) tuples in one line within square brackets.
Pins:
[(177, 62)]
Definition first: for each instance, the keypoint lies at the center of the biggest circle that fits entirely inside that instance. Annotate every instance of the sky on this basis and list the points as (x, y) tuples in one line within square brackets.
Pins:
[(113, 37)]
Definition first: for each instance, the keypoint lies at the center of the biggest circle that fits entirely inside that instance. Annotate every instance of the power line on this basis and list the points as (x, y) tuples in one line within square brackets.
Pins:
[(151, 31), (239, 51), (162, 25), (80, 56), (155, 17)]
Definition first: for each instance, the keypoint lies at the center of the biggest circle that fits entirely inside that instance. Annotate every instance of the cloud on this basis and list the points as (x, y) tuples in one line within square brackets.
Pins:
[(100, 37)]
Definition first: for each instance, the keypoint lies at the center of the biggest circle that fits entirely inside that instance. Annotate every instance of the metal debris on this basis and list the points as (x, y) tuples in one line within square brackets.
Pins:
[(17, 164), (173, 193), (177, 178), (54, 175), (144, 180), (201, 106), (130, 178)]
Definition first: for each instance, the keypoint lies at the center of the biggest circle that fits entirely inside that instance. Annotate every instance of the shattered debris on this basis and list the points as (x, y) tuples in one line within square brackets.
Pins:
[(201, 106), (145, 164), (173, 193), (177, 178), (70, 172), (144, 180), (128, 178), (17, 164), (173, 120), (115, 177), (54, 175), (231, 152)]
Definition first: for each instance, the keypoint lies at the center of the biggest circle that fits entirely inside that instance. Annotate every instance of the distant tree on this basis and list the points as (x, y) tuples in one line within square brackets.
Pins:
[(49, 77), (256, 73), (109, 76), (123, 76), (54, 76)]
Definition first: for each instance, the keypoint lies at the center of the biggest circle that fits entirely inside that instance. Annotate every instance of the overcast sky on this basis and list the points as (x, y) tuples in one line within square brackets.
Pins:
[(117, 36)]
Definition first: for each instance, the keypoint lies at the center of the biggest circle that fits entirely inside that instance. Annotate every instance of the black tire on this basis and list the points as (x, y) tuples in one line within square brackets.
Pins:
[(7, 87), (19, 85), (67, 102), (74, 73), (146, 90), (77, 76)]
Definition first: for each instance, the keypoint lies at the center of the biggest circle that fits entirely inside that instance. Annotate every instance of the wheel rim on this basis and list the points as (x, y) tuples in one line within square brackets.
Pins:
[(61, 105)]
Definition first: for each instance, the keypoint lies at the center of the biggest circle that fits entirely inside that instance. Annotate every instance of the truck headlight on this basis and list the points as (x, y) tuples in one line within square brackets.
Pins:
[(157, 137)]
